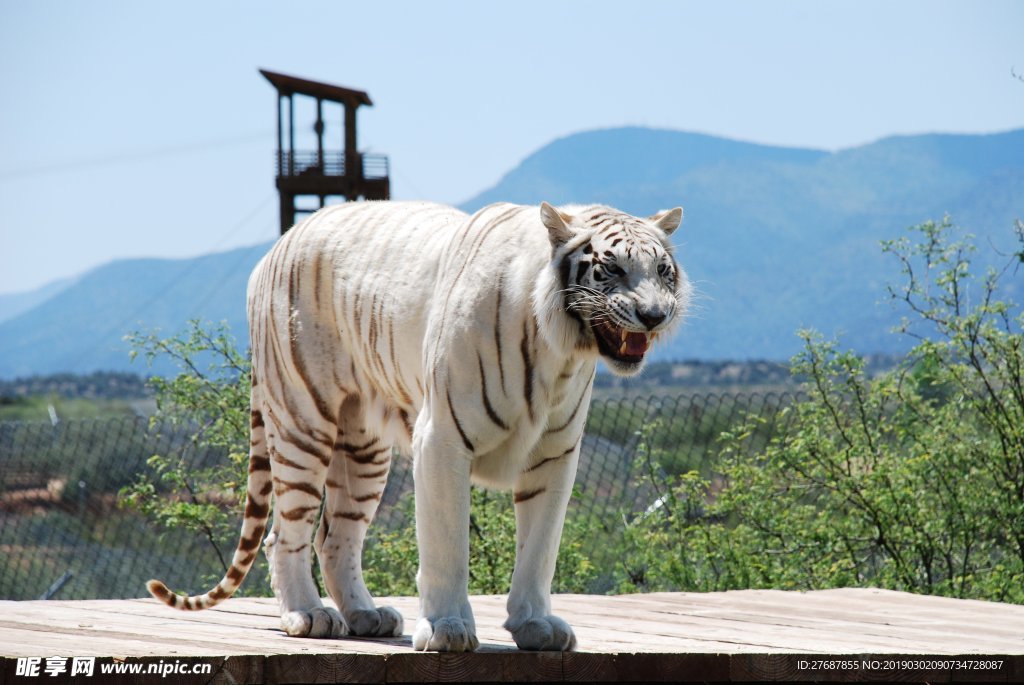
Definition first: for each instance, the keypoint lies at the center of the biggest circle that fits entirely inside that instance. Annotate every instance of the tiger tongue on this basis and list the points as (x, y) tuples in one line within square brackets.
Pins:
[(636, 344)]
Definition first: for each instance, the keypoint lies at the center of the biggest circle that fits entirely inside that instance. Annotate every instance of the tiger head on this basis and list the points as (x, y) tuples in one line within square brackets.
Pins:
[(613, 286)]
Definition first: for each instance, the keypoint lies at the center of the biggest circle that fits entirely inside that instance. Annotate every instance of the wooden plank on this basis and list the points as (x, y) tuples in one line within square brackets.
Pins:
[(869, 604), (915, 615), (680, 637), (655, 634), (792, 630), (678, 627), (490, 667)]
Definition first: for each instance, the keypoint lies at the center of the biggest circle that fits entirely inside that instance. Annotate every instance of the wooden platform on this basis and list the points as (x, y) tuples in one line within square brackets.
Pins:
[(825, 636)]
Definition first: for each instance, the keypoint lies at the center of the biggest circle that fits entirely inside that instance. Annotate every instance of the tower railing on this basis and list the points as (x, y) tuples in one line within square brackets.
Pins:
[(306, 163)]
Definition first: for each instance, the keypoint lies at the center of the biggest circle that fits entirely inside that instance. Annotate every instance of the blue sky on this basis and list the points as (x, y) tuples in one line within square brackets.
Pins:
[(143, 129)]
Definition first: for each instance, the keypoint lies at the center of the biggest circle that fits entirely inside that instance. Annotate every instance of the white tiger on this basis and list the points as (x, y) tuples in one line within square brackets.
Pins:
[(469, 342)]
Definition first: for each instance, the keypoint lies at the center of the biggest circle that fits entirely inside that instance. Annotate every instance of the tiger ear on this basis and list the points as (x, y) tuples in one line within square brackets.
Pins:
[(668, 220), (557, 224)]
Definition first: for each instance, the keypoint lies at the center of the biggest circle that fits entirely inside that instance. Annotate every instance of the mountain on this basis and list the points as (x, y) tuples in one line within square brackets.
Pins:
[(774, 239), (12, 304), (81, 329)]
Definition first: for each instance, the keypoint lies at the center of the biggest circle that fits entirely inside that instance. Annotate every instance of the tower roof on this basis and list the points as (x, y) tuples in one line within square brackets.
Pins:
[(286, 85)]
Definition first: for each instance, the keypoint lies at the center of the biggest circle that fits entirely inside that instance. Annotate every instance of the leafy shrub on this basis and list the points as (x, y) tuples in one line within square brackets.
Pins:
[(911, 481), (201, 487)]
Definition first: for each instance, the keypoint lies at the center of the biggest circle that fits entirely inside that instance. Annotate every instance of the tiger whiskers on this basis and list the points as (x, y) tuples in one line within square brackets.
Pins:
[(585, 300), (601, 316)]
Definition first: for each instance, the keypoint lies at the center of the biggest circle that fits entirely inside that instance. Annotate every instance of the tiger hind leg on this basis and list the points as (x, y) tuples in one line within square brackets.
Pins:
[(355, 483), (299, 456)]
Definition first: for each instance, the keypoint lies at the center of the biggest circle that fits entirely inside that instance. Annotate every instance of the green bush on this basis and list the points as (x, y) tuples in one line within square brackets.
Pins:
[(390, 559), (911, 481), (209, 401)]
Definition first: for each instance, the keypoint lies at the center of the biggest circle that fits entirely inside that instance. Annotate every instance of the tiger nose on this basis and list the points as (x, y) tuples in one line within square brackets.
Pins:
[(650, 317)]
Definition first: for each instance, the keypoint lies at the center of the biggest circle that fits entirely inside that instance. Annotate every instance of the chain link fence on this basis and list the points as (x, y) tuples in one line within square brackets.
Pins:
[(64, 535)]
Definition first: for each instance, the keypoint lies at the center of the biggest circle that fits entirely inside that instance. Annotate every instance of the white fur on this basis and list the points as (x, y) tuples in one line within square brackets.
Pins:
[(412, 325)]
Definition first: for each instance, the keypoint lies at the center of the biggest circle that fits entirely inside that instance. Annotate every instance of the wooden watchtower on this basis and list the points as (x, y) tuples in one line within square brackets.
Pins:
[(323, 172)]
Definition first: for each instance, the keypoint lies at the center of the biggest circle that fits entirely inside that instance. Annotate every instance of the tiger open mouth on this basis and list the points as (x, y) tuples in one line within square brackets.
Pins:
[(619, 344)]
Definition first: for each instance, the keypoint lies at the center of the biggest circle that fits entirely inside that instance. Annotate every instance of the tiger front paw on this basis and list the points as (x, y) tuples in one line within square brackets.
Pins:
[(319, 622), (547, 633), (449, 634)]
